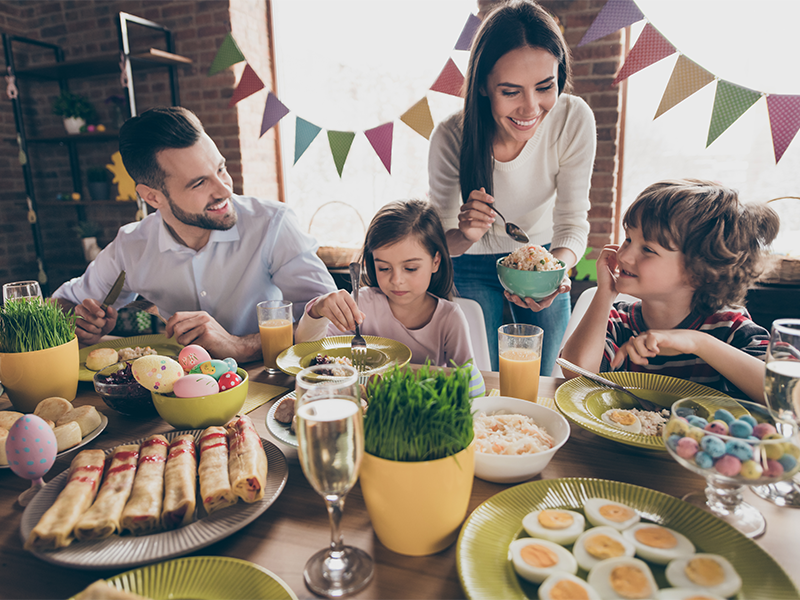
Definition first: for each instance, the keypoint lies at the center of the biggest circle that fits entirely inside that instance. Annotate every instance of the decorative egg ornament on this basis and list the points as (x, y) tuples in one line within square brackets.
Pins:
[(195, 385), (229, 380), (157, 373), (191, 356), (215, 368), (31, 447)]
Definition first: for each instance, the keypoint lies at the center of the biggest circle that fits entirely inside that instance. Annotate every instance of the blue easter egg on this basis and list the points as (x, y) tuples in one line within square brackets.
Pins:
[(213, 367), (723, 415), (713, 446)]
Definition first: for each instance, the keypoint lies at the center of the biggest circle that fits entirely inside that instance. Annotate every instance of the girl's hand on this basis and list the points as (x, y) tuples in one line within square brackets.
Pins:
[(655, 342), (476, 216), (565, 287), (340, 308), (608, 269)]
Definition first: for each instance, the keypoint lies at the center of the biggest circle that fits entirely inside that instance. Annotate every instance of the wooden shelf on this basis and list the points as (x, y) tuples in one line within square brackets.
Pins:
[(72, 203), (95, 136), (107, 65)]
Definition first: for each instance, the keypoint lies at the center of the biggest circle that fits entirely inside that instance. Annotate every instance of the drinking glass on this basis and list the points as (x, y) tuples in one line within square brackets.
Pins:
[(782, 393), (21, 289), (275, 325), (520, 349), (330, 437)]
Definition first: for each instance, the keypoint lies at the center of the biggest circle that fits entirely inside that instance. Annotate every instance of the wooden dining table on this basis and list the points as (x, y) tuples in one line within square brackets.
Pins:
[(296, 525)]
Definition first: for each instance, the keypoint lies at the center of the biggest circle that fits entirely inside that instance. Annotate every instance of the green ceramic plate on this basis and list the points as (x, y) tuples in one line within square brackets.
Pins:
[(482, 551), (160, 343), (582, 401), (382, 353), (203, 578)]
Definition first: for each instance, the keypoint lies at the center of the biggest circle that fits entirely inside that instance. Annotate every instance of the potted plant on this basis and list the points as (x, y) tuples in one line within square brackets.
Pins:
[(88, 232), (38, 352), (418, 464), (74, 109), (97, 182)]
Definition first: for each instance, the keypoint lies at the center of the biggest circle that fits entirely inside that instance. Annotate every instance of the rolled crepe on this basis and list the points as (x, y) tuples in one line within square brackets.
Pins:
[(86, 416), (215, 485), (52, 409), (142, 513), (103, 518), (54, 529), (180, 483), (247, 461)]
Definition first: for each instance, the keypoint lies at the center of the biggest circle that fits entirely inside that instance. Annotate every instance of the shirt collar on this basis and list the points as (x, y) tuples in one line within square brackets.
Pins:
[(167, 243)]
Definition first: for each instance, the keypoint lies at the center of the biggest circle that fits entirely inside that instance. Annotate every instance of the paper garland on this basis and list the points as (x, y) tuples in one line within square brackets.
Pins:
[(731, 101), (418, 117)]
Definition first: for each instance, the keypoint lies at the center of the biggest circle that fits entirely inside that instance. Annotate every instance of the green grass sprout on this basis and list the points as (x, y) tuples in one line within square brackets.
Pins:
[(30, 324)]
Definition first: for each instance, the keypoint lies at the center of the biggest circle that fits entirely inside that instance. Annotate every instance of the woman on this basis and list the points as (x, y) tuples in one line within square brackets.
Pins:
[(524, 144)]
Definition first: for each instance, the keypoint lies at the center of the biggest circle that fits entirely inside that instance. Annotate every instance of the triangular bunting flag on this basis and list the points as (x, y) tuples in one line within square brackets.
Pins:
[(470, 28), (650, 48), (227, 55), (687, 77), (615, 15), (419, 118), (450, 80), (249, 84), (304, 134), (274, 111), (784, 120), (381, 139), (730, 103), (340, 142)]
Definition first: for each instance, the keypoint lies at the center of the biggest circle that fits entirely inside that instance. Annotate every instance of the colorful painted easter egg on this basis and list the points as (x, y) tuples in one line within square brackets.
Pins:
[(31, 447), (229, 380), (191, 356), (194, 385), (215, 368), (157, 373), (231, 363)]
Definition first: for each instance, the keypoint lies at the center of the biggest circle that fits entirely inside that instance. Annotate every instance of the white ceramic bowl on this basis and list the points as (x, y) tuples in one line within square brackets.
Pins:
[(513, 469)]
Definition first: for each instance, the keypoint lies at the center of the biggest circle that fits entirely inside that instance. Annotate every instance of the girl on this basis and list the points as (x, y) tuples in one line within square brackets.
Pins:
[(524, 144), (409, 279), (690, 252)]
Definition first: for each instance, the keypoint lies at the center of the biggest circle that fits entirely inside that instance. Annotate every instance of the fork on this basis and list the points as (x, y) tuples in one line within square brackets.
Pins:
[(645, 404), (358, 346), (146, 306)]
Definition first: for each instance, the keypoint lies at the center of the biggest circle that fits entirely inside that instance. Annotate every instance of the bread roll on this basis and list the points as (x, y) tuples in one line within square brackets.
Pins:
[(86, 416), (101, 358), (8, 418), (3, 437), (68, 436), (50, 423), (52, 409)]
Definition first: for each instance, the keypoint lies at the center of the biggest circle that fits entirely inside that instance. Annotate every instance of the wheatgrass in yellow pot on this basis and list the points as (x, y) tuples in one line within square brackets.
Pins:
[(418, 467)]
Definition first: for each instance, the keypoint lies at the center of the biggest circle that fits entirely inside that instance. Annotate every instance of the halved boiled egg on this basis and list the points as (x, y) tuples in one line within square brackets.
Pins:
[(623, 578), (535, 559), (600, 543), (658, 544), (685, 594), (600, 511), (563, 586), (559, 526), (706, 573), (622, 419)]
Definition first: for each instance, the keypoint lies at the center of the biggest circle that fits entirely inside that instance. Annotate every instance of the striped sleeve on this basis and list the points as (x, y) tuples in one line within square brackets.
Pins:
[(734, 327)]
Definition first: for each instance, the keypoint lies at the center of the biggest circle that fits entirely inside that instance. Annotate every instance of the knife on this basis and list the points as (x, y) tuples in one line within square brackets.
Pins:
[(645, 404), (115, 291)]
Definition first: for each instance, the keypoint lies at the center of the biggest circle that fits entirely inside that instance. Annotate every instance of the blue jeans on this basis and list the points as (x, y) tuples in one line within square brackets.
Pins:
[(476, 278)]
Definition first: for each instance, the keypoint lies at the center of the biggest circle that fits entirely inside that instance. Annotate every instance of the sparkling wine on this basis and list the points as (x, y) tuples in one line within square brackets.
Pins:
[(330, 444), (782, 389)]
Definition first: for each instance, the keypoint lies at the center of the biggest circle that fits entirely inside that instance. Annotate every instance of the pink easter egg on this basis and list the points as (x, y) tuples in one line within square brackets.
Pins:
[(191, 356), (772, 469), (229, 380), (687, 447), (763, 429), (31, 447), (193, 386)]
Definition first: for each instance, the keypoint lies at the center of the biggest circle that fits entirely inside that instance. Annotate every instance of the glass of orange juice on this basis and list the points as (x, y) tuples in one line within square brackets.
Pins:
[(275, 325), (520, 348)]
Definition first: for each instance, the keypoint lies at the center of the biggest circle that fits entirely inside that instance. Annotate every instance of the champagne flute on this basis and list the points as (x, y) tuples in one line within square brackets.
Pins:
[(330, 437), (782, 393), (21, 289)]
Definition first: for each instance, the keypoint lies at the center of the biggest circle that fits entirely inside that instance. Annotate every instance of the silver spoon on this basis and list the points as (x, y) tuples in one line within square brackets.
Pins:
[(513, 231)]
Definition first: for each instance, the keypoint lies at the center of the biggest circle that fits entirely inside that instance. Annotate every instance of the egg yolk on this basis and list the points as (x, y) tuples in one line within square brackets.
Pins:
[(655, 537), (616, 513), (538, 556), (623, 418), (629, 582), (555, 519), (602, 546), (568, 590), (705, 571)]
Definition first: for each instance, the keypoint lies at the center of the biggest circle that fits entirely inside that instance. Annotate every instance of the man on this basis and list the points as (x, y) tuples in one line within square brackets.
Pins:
[(206, 257)]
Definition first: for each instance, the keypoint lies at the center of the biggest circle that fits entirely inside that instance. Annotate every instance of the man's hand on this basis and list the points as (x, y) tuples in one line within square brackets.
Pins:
[(202, 329), (666, 342), (93, 322)]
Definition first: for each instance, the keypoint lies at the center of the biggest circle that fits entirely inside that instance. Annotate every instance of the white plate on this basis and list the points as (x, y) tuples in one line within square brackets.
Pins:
[(89, 437), (124, 552), (280, 431)]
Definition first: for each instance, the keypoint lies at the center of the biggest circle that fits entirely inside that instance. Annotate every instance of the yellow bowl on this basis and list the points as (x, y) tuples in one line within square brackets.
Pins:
[(202, 411)]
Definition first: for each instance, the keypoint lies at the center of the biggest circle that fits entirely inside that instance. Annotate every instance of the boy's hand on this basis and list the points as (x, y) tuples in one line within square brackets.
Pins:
[(666, 342), (476, 216), (564, 288), (608, 269), (340, 308)]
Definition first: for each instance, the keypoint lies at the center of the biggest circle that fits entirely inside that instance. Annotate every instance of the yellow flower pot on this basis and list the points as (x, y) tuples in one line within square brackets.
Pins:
[(30, 377), (417, 508)]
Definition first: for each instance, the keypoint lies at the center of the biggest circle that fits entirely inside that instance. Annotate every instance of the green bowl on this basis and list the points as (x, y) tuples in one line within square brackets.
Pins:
[(529, 284), (202, 411)]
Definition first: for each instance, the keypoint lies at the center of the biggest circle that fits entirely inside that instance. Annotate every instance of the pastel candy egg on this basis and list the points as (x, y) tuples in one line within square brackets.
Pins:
[(195, 385), (191, 356), (751, 469), (776, 449), (157, 373), (696, 433), (740, 428), (215, 368), (728, 465), (231, 362), (717, 426), (793, 450), (672, 441), (31, 447), (788, 462), (703, 460), (763, 429), (713, 446), (773, 469), (687, 447), (678, 426), (740, 449), (696, 421), (229, 380), (749, 419), (723, 415)]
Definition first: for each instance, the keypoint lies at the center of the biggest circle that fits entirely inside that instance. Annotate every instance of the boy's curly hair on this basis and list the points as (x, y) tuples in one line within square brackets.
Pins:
[(721, 239)]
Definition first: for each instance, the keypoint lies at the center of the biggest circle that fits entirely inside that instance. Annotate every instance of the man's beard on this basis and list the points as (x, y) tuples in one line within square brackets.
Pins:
[(202, 220)]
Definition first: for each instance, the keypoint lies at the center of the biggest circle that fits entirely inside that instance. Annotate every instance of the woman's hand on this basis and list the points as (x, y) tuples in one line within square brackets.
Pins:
[(340, 308), (565, 287), (476, 216)]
